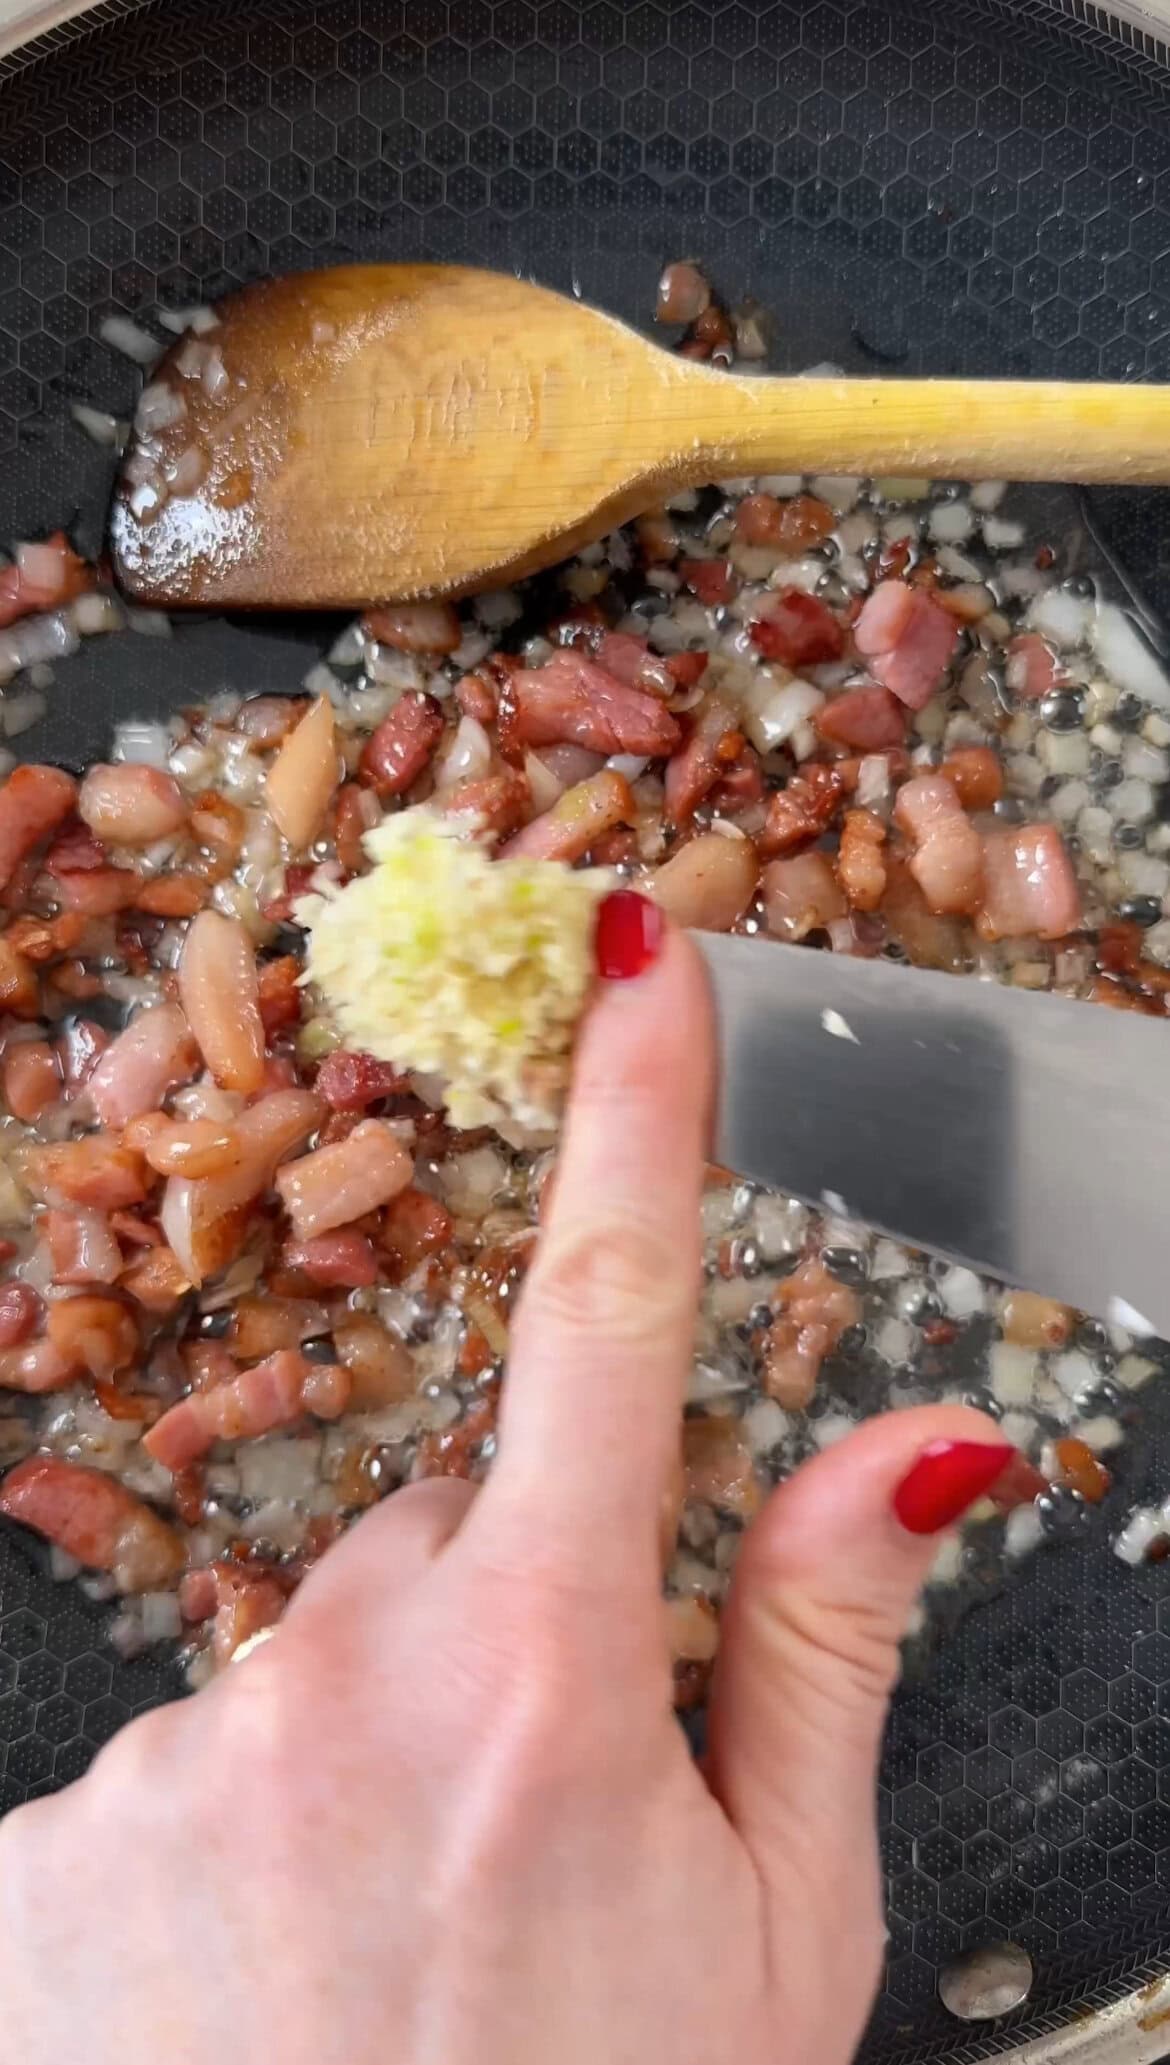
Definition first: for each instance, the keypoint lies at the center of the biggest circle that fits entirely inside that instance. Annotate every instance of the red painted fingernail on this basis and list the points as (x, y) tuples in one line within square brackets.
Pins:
[(947, 1478), (629, 935)]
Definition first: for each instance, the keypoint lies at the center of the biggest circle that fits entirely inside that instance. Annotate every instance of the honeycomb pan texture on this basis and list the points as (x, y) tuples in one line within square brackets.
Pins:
[(985, 190)]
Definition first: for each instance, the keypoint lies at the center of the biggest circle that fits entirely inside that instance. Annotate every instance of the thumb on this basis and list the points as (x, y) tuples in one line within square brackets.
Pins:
[(822, 1595)]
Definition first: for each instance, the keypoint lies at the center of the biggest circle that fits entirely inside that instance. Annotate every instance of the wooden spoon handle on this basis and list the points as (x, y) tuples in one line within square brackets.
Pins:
[(931, 429)]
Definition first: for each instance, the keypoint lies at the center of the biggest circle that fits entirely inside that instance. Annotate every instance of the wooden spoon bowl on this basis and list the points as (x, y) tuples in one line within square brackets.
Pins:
[(381, 432)]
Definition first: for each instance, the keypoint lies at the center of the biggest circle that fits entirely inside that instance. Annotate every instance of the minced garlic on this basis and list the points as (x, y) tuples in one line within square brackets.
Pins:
[(450, 964)]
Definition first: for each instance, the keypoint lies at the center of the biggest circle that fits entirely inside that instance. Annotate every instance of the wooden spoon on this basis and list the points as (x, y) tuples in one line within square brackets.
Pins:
[(380, 432)]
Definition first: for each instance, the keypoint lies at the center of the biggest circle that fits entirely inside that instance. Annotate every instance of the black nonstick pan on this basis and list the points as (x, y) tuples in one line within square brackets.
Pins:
[(983, 189)]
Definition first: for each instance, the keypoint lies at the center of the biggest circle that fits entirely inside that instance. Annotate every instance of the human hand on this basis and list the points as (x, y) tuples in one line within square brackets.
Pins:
[(446, 1816)]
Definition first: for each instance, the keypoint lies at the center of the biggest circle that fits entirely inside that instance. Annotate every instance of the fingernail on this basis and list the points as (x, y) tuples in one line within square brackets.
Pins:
[(629, 935), (947, 1478)]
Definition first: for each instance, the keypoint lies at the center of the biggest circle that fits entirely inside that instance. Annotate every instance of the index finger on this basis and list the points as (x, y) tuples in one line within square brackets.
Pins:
[(604, 1332)]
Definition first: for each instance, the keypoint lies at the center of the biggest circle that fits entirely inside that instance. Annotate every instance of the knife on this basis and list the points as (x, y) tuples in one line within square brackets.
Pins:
[(1024, 1135)]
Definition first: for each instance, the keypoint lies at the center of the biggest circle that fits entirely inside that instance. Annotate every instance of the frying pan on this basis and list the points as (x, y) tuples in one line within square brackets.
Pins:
[(984, 189)]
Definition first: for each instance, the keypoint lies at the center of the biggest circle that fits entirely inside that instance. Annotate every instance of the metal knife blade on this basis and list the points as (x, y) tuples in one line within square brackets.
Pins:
[(1024, 1135)]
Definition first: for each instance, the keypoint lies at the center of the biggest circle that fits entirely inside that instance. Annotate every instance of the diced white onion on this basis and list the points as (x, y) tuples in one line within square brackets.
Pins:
[(159, 406), (499, 608), (962, 1293), (1063, 620), (1124, 654), (131, 339), (161, 1619), (831, 1428), (839, 490), (546, 789), (279, 1467), (149, 623), (780, 1225), (143, 743), (1001, 536), (765, 1425), (1142, 1529), (1023, 1531), (1144, 874), (21, 711), (1132, 802), (215, 376), (873, 783), (773, 715), (1133, 1371), (894, 1341), (99, 425), (1012, 1374), (45, 639), (94, 613), (199, 319), (947, 1567), (951, 523), (988, 494), (469, 755), (1073, 1372)]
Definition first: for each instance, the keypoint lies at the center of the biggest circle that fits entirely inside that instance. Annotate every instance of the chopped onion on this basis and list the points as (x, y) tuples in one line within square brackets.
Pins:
[(47, 638), (718, 1376), (159, 406), (962, 1293), (773, 715), (831, 1428), (20, 712), (199, 319), (125, 1633), (765, 1425), (393, 669), (349, 645), (1021, 577), (545, 787), (988, 494), (279, 1467), (895, 1342), (631, 765), (215, 374), (873, 783), (1125, 655), (839, 490), (188, 472), (951, 523), (499, 609), (1073, 1372), (190, 358), (143, 743), (471, 649), (95, 612), (1023, 1531), (780, 1225), (99, 425), (1001, 536), (1144, 874), (149, 623), (1142, 1529), (130, 339), (161, 1619), (469, 755)]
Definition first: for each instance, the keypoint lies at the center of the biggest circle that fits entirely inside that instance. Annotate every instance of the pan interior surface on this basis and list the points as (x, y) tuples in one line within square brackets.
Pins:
[(983, 192)]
